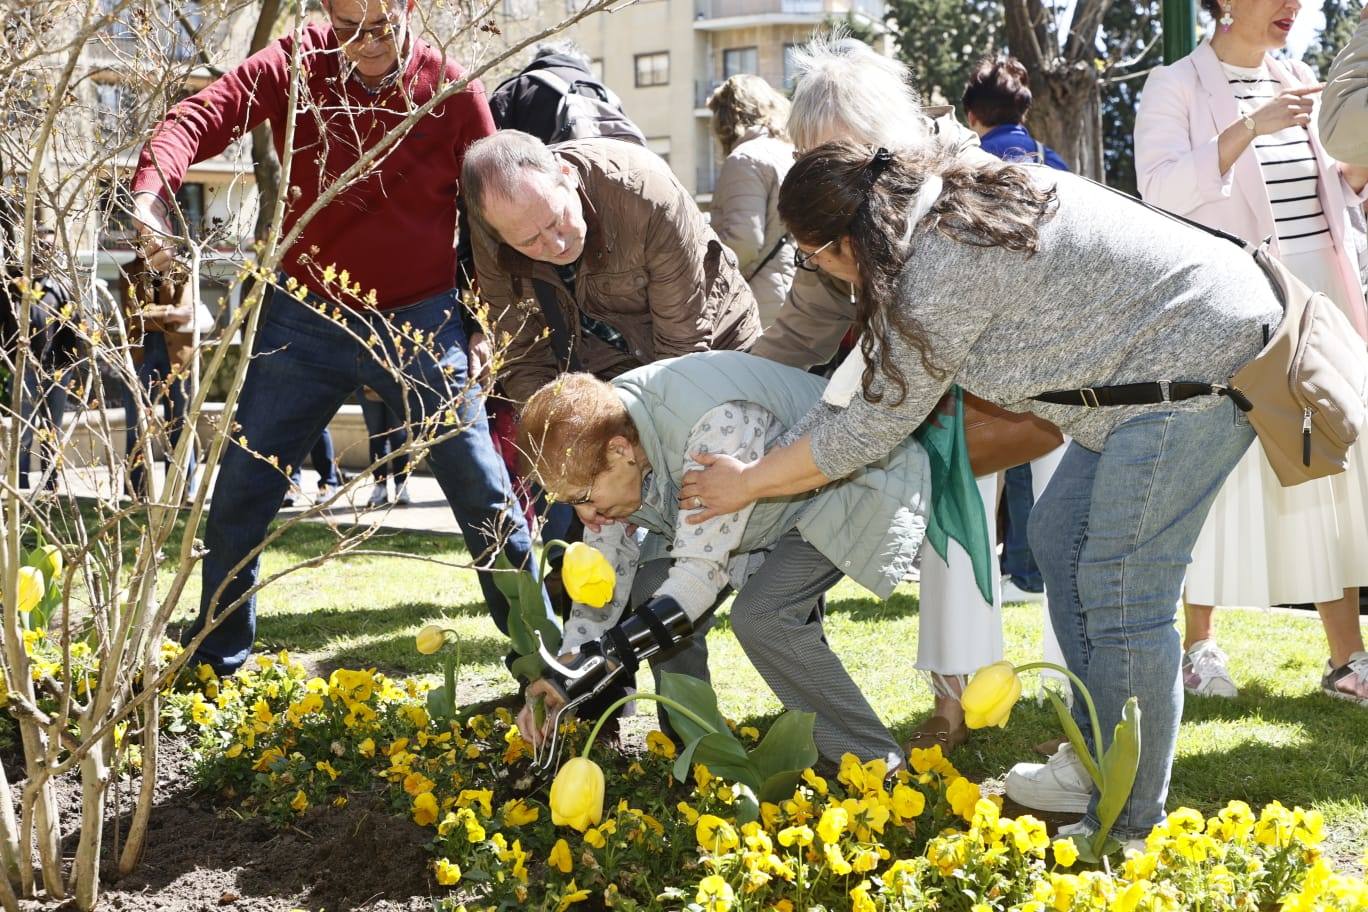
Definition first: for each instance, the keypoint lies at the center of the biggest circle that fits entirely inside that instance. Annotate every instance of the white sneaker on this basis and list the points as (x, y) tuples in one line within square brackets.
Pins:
[(1060, 784), (1012, 593), (402, 495), (1205, 671), (1082, 831), (379, 496)]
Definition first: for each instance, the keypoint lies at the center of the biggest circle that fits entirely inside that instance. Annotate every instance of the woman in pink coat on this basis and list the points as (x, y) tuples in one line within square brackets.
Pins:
[(1226, 137)]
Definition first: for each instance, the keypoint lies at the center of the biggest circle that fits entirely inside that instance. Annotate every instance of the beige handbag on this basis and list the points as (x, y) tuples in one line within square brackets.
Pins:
[(1309, 385)]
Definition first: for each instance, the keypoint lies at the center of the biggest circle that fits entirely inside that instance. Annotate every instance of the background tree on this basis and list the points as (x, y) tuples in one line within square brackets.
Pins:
[(941, 40), (1341, 18)]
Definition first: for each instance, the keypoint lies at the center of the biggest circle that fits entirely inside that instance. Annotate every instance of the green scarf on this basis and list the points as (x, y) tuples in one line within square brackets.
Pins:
[(956, 507)]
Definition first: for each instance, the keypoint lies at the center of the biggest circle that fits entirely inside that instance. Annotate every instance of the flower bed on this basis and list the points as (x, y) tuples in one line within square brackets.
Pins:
[(276, 742)]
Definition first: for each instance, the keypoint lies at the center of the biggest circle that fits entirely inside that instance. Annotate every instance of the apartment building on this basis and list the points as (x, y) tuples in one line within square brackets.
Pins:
[(664, 57)]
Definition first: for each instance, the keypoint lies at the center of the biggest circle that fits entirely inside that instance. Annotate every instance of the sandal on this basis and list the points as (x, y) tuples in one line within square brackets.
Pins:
[(937, 731)]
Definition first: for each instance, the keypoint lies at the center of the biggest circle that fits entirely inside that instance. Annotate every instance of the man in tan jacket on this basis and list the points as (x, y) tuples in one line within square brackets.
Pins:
[(1344, 104), (623, 257)]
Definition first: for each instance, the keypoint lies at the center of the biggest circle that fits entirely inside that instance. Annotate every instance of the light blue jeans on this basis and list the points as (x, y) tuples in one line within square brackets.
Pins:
[(1113, 535)]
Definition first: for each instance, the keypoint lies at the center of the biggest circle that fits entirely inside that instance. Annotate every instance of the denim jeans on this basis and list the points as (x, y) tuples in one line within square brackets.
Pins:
[(304, 367), (1113, 535), (171, 399), (1017, 560), (43, 405), (324, 462), (386, 433)]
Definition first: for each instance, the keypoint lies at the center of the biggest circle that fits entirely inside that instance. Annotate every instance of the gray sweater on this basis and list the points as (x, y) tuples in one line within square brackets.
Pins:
[(1115, 294)]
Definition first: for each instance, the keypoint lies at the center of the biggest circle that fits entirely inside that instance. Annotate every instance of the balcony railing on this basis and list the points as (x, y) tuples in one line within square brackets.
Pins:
[(720, 9)]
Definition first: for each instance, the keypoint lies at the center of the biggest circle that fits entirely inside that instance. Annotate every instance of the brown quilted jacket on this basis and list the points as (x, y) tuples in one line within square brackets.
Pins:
[(652, 269)]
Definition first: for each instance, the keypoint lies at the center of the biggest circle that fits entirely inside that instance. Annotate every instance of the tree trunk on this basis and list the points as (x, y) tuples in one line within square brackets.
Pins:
[(9, 837), (142, 811), (40, 819), (1067, 117), (86, 868), (1066, 113), (264, 165)]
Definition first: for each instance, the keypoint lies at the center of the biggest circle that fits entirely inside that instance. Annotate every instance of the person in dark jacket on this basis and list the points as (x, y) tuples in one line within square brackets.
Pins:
[(527, 103)]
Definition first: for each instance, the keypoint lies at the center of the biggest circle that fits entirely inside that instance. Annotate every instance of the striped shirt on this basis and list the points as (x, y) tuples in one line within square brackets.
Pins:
[(1289, 166)]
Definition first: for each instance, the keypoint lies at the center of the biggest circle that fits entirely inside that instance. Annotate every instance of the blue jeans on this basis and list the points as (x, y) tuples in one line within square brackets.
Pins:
[(1017, 560), (171, 399), (1113, 535), (386, 433), (324, 463), (43, 405), (304, 367)]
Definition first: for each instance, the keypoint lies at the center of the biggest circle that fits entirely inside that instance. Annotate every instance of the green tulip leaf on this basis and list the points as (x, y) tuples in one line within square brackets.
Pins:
[(528, 667), (780, 786), (786, 747), (699, 699), (747, 808), (439, 705), (1075, 736), (722, 754), (532, 608), (505, 580), (1119, 764)]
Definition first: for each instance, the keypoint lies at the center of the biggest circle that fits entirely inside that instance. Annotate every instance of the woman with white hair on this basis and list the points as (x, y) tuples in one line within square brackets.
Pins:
[(750, 120), (845, 90)]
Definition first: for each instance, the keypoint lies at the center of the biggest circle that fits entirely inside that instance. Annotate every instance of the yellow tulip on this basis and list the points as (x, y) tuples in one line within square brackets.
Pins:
[(990, 696), (587, 575), (577, 794), (430, 639), (30, 588), (49, 560)]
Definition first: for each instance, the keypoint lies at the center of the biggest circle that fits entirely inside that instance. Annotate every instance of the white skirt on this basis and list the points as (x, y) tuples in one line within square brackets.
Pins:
[(1264, 544)]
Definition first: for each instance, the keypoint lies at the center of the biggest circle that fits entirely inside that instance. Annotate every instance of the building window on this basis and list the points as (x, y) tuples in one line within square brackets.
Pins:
[(190, 199), (652, 69), (740, 60), (790, 66)]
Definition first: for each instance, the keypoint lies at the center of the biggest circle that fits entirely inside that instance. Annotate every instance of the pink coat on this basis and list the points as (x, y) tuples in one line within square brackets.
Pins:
[(1183, 110)]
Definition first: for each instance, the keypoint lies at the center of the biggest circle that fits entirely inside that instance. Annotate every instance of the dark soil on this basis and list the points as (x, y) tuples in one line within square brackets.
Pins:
[(202, 856)]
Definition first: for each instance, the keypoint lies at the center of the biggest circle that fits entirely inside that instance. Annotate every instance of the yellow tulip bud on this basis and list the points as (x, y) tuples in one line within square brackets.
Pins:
[(587, 575), (577, 794), (31, 588), (48, 559), (430, 639), (990, 696)]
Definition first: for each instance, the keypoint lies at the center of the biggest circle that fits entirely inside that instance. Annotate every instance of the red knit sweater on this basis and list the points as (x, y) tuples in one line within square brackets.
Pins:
[(395, 230)]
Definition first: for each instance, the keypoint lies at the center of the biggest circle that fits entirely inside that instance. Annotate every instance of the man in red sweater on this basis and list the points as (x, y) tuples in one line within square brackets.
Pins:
[(384, 249)]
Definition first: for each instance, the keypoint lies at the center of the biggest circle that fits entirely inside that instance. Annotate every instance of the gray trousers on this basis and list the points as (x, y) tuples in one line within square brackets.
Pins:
[(776, 620)]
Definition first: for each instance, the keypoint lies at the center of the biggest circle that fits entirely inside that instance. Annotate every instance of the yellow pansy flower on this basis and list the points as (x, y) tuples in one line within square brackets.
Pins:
[(425, 810), (448, 872), (560, 857)]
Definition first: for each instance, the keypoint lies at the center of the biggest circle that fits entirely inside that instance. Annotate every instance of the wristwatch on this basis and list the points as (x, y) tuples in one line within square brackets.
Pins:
[(1248, 122)]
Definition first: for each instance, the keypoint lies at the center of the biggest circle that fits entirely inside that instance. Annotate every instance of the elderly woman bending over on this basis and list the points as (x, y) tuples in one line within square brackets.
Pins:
[(618, 452)]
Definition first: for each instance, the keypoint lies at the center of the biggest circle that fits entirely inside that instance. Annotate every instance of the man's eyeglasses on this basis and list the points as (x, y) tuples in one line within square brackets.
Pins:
[(802, 260), (346, 34)]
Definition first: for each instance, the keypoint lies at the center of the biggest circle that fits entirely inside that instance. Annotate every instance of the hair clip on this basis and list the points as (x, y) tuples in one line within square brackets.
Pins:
[(879, 164)]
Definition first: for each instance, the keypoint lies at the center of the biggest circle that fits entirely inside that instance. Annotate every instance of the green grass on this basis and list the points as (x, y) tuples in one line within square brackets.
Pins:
[(1282, 739)]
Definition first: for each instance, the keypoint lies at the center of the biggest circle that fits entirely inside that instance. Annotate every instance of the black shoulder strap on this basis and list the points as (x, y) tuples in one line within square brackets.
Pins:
[(561, 341), (778, 245), (1239, 241)]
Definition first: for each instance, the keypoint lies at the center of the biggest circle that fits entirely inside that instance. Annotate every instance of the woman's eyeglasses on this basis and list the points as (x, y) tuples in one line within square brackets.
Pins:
[(802, 260), (580, 501)]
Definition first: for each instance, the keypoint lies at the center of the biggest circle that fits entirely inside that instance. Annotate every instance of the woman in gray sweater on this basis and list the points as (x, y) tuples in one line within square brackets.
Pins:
[(1014, 281)]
